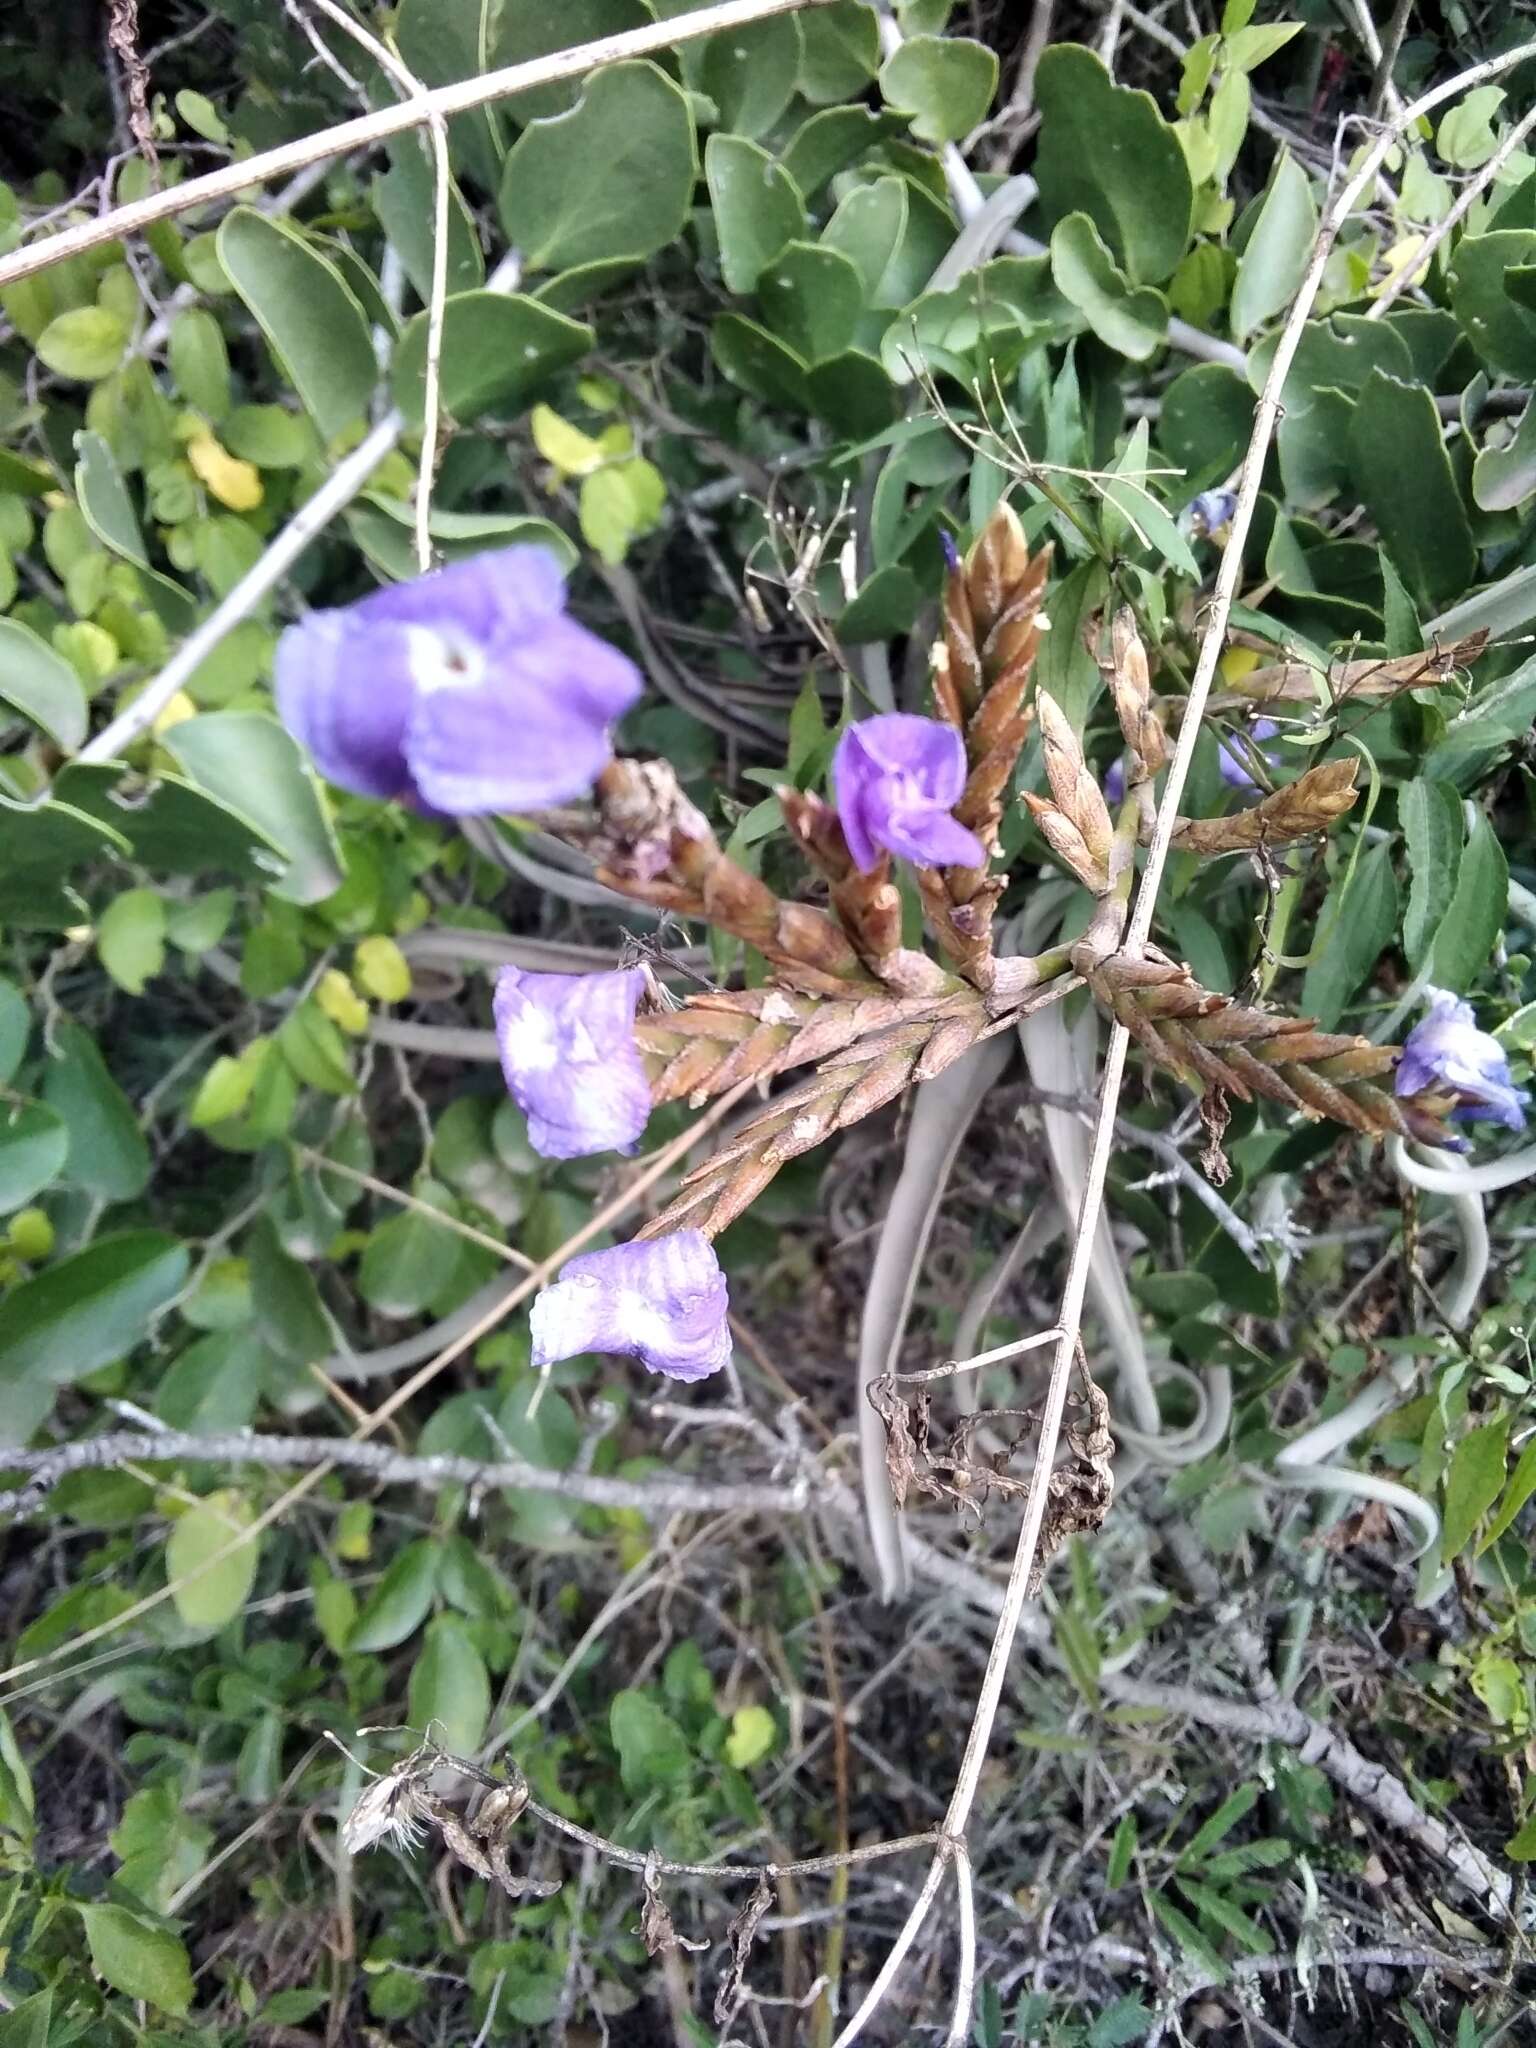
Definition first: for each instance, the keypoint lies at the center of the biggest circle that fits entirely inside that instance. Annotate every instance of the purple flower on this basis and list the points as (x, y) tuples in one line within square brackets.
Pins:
[(1210, 512), (569, 1054), (1114, 781), (896, 778), (661, 1300), (951, 552), (1448, 1051), (1233, 761), (467, 690)]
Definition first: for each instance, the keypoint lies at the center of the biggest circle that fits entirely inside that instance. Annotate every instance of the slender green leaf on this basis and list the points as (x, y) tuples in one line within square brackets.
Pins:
[(307, 312)]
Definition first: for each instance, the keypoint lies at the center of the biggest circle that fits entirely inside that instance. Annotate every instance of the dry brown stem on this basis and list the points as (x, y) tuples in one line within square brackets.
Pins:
[(1297, 681)]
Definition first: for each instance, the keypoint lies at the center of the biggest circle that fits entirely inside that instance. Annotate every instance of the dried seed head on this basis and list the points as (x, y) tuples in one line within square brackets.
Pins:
[(1311, 803), (1131, 688), (1077, 794), (1067, 842)]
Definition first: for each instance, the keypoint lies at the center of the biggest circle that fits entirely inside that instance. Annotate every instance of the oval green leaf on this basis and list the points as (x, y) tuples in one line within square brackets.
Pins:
[(308, 314)]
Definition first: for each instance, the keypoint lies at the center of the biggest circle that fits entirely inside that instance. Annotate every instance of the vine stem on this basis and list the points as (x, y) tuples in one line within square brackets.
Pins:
[(443, 100), (1266, 416)]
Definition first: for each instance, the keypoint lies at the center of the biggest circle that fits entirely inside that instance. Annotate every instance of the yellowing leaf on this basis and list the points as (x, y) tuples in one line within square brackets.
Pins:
[(180, 707), (618, 504), (752, 1737), (341, 1002), (234, 483), (563, 446), (382, 969), (208, 1594)]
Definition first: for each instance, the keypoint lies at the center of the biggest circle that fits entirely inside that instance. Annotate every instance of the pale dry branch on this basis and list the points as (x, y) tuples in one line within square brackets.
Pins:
[(1466, 199), (437, 298), (111, 1452), (368, 129)]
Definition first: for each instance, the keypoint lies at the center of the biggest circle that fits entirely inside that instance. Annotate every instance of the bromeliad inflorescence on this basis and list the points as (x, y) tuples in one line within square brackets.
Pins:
[(471, 690)]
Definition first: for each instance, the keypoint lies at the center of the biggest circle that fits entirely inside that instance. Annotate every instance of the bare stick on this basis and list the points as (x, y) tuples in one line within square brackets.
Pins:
[(442, 189), (368, 129), (390, 1468), (1266, 415)]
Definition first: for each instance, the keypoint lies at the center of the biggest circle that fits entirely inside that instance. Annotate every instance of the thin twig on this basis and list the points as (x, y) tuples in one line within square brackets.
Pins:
[(1386, 59), (46, 1468), (460, 98), (442, 192)]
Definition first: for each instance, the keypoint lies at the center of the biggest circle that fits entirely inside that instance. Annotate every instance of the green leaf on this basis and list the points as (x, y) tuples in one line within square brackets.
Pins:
[(1188, 1936), (1273, 261), (1131, 319), (653, 1752), (1473, 1483), (612, 178), (15, 1029), (853, 394), (39, 845), (752, 1737), (33, 1145), (248, 762), (1522, 1485), (757, 208), (759, 362), (399, 1603), (944, 83), (749, 73), (289, 1314), (130, 938), (1120, 2024), (1475, 921), (88, 1310), (83, 345), (1357, 920), (172, 827), (103, 496), (41, 685), (1248, 48), (1431, 820), (840, 52), (1504, 475), (1211, 1830), (1397, 454), (450, 1686), (1122, 1853), (1498, 327), (315, 1049), (307, 312), (107, 1151), (1205, 423), (886, 604), (405, 200), (1520, 1848), (200, 362), (1106, 151), (827, 143), (139, 1960), (1466, 137), (269, 436), (498, 349), (444, 41), (407, 1259), (206, 1594), (812, 297), (523, 32)]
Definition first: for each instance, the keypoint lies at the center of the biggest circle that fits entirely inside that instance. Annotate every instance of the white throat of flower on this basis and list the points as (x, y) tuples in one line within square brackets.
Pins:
[(530, 1041), (640, 1320), (443, 658)]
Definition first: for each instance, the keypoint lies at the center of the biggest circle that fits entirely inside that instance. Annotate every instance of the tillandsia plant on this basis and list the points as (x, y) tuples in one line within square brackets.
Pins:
[(473, 683)]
